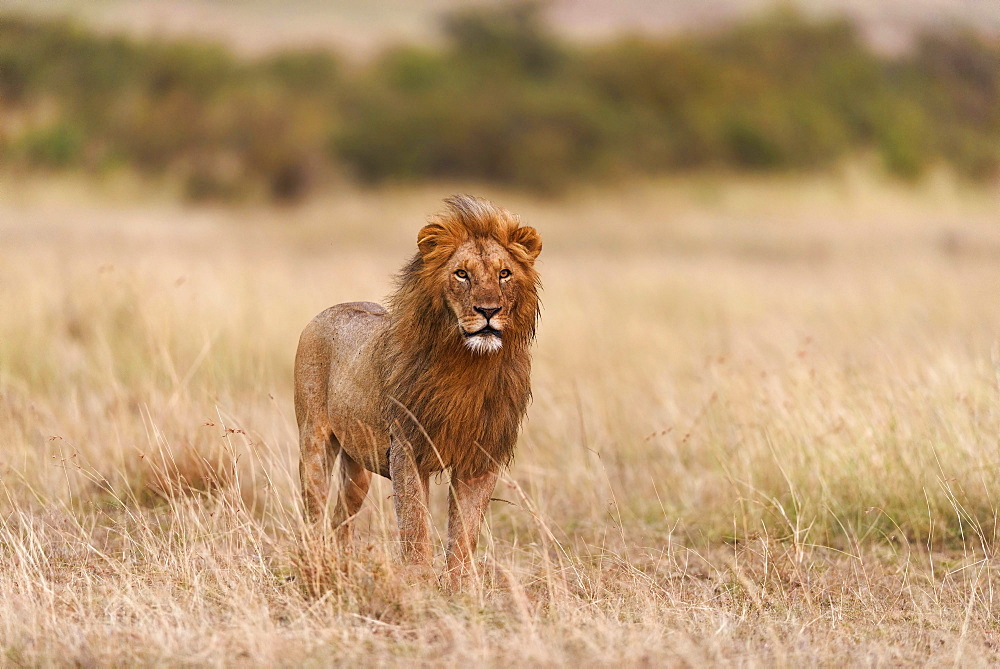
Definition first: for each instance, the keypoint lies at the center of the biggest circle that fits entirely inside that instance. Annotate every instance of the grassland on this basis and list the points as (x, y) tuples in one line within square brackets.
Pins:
[(764, 432)]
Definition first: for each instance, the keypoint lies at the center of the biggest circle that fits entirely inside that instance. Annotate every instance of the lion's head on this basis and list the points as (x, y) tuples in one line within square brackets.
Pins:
[(456, 361), (477, 262)]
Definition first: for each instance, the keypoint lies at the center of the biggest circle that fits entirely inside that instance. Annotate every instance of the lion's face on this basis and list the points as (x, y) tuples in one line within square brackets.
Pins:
[(489, 286), (480, 291)]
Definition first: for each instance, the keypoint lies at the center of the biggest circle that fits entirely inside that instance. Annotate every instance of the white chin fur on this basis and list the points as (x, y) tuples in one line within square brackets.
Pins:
[(484, 343)]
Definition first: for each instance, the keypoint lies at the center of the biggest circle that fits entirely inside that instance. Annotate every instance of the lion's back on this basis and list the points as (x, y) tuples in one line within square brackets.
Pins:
[(348, 326), (336, 381)]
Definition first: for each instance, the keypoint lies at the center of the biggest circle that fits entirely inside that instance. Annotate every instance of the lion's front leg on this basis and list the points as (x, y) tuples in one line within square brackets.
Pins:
[(410, 499), (466, 506)]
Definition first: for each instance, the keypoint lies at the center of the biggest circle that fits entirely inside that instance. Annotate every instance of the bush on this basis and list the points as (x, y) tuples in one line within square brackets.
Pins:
[(503, 101), (58, 145)]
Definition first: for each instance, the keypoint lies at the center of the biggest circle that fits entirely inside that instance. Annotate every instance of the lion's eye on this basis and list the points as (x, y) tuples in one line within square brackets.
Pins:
[(462, 274), (504, 273)]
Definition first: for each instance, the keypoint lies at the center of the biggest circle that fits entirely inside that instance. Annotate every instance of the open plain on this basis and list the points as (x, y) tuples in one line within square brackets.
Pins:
[(765, 431)]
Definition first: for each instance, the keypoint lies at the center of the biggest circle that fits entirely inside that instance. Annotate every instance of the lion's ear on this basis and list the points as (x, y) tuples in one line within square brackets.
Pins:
[(429, 237), (528, 238)]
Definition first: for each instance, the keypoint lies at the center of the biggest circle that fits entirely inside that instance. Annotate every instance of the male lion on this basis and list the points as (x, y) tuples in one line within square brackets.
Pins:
[(438, 381)]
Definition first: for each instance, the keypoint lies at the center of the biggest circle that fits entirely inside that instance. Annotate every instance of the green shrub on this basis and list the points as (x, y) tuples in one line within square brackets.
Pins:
[(58, 145), (504, 100)]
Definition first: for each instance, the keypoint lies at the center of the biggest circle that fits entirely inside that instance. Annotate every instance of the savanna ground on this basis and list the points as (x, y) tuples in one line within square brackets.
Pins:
[(764, 432)]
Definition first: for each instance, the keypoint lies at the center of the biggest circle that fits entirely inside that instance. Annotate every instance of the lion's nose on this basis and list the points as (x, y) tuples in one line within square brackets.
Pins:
[(488, 312)]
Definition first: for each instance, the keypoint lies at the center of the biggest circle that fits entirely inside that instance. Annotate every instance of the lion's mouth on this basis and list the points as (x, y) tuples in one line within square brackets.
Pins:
[(486, 331)]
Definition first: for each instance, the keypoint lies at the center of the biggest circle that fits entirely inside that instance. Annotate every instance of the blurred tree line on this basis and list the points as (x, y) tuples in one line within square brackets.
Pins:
[(504, 101)]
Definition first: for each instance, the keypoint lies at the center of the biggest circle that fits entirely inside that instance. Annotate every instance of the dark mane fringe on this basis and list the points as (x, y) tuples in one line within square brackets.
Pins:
[(470, 406)]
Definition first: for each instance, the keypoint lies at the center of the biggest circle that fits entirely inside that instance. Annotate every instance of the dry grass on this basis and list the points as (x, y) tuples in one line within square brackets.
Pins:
[(765, 431)]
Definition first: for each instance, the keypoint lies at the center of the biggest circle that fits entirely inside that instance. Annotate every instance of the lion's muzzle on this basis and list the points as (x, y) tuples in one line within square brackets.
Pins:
[(486, 331), (487, 339)]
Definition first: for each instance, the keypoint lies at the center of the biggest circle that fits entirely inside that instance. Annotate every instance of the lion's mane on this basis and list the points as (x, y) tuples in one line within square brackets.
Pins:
[(455, 408)]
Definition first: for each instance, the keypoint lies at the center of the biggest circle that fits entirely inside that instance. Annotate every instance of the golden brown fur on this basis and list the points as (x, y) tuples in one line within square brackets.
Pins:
[(470, 405), (439, 381)]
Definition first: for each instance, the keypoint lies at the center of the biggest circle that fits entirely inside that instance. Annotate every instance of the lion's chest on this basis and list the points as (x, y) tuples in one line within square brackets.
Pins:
[(462, 420)]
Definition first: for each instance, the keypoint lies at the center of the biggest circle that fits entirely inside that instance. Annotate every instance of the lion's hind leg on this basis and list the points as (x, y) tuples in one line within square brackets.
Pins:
[(354, 482), (317, 453)]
